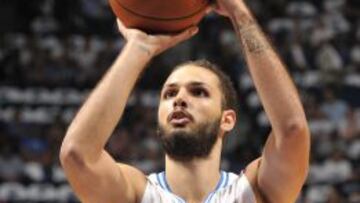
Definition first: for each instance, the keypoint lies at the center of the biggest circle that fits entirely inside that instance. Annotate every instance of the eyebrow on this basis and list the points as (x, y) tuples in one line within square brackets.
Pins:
[(194, 83)]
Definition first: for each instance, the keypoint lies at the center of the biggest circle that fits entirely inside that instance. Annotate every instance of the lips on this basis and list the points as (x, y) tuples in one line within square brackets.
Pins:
[(179, 118)]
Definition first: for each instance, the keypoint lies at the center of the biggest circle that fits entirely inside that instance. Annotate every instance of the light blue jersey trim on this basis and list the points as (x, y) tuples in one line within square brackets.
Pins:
[(158, 177), (222, 183), (161, 178), (165, 181)]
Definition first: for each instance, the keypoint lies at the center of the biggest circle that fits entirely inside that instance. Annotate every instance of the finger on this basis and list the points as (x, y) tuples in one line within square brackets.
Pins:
[(220, 11), (121, 27), (186, 34), (208, 10), (216, 8), (171, 40)]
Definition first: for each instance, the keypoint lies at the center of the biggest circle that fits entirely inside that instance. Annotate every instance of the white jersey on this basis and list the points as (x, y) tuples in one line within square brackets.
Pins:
[(231, 188)]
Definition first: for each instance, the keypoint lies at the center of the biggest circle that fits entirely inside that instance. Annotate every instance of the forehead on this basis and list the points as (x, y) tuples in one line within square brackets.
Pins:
[(191, 73)]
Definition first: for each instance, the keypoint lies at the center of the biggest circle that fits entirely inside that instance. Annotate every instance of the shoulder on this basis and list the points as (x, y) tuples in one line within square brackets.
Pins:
[(135, 179), (130, 170), (251, 173)]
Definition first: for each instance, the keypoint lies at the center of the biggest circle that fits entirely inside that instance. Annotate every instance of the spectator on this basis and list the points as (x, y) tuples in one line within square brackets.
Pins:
[(333, 108)]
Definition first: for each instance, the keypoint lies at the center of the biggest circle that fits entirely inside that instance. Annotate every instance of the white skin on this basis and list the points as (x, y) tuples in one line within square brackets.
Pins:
[(277, 176)]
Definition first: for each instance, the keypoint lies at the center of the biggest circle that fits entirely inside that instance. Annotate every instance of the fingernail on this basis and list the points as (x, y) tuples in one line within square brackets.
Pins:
[(194, 30)]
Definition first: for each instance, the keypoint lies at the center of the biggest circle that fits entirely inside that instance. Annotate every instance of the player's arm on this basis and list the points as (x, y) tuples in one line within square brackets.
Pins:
[(282, 169), (91, 171)]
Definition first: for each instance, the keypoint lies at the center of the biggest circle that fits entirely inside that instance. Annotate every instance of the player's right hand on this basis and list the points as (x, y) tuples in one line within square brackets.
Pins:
[(155, 44), (229, 8)]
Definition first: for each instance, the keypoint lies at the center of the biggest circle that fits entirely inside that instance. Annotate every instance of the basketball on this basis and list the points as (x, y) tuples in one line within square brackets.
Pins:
[(159, 16)]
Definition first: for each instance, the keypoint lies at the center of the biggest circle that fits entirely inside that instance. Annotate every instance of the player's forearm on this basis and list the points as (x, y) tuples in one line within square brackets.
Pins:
[(97, 118), (274, 85)]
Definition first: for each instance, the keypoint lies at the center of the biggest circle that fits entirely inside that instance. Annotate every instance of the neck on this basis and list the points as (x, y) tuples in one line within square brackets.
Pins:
[(194, 180)]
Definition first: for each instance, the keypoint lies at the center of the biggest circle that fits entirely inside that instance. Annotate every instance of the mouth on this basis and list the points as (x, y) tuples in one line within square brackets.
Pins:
[(179, 118)]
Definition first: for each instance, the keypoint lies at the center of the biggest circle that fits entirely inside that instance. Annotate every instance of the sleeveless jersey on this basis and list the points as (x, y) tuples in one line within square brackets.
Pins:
[(231, 188)]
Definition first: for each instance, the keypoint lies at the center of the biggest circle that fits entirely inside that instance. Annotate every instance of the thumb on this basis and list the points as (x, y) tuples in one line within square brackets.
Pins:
[(169, 41), (186, 34)]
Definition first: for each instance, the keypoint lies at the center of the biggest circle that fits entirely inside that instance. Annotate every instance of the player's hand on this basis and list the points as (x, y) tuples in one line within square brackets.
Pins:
[(154, 44), (229, 7)]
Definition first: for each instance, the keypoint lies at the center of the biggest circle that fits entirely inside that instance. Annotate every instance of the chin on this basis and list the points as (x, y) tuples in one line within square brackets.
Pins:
[(178, 130)]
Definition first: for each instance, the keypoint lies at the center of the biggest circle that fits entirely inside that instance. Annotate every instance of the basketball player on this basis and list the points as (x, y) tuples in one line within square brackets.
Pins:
[(195, 113)]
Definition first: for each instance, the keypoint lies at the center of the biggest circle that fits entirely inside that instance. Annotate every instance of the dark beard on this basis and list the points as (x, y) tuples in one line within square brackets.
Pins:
[(186, 146)]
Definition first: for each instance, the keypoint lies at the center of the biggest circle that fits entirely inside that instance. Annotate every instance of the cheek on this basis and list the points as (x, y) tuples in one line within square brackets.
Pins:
[(163, 112), (209, 110)]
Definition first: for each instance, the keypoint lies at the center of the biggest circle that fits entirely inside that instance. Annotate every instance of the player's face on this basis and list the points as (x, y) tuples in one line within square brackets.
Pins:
[(190, 110), (190, 96)]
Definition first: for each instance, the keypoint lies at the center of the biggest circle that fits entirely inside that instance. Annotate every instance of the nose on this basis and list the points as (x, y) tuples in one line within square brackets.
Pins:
[(180, 100)]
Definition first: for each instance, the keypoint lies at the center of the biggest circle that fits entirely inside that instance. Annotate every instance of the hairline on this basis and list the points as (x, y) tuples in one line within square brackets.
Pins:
[(189, 64)]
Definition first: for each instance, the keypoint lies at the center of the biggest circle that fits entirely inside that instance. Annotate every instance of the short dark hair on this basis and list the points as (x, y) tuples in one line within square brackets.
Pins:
[(229, 97)]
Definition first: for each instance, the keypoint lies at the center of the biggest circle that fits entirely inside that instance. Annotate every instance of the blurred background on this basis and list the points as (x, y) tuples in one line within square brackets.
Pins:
[(53, 52)]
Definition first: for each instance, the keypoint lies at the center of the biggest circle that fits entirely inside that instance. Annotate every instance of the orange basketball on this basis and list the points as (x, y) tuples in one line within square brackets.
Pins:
[(159, 16)]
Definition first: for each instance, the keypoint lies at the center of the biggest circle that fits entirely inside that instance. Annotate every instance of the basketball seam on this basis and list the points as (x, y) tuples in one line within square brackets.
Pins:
[(158, 18)]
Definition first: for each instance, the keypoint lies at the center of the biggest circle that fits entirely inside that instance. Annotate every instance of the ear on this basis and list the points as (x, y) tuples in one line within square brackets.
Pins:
[(228, 120)]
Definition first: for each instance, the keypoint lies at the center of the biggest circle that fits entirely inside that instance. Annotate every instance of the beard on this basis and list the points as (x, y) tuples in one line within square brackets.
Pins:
[(182, 145)]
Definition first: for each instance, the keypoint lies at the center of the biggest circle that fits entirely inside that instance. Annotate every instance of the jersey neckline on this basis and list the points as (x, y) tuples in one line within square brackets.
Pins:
[(223, 182)]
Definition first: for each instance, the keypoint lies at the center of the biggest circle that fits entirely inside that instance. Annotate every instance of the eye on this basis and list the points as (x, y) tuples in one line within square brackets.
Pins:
[(169, 93), (199, 92)]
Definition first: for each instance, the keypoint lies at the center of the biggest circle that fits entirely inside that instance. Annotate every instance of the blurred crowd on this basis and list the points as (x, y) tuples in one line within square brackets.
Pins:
[(53, 52)]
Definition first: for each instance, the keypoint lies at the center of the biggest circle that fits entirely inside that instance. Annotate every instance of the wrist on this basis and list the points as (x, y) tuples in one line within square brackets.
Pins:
[(133, 57), (242, 20), (139, 49), (239, 12)]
